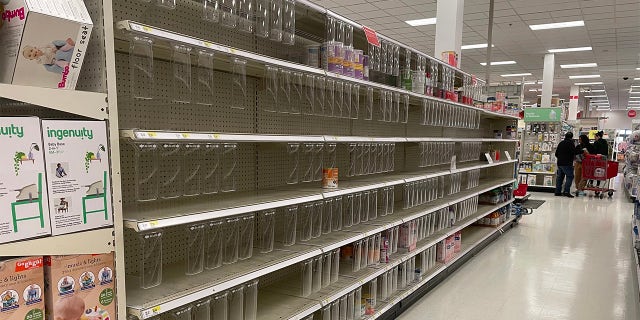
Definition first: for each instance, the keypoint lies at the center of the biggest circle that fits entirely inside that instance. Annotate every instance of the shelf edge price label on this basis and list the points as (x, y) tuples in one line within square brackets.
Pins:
[(488, 156), (151, 312), (506, 153)]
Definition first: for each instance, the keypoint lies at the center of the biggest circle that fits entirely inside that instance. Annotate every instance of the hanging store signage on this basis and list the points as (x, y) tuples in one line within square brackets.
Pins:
[(372, 36), (631, 113), (542, 114)]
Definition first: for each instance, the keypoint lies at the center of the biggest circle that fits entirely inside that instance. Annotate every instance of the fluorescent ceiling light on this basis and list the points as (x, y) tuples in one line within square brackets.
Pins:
[(586, 83), (599, 101), (476, 46), (557, 25), (529, 82), (570, 49), (597, 91), (421, 22), (515, 75), (587, 76), (637, 68), (498, 63), (578, 65), (534, 90), (600, 96), (636, 79), (553, 95), (634, 98)]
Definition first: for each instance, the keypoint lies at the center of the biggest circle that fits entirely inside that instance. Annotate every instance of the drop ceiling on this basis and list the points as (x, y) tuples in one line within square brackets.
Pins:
[(612, 28)]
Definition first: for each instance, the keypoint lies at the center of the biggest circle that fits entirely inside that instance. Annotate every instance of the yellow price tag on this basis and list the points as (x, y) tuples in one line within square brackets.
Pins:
[(185, 135), (147, 29), (154, 224), (216, 136), (152, 134), (156, 309), (232, 50), (208, 44)]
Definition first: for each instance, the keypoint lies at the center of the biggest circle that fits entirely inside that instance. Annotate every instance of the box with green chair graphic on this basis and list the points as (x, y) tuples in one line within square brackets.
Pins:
[(24, 207), (78, 180)]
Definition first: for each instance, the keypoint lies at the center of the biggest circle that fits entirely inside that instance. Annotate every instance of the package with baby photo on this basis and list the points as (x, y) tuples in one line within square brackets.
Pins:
[(80, 287), (43, 43)]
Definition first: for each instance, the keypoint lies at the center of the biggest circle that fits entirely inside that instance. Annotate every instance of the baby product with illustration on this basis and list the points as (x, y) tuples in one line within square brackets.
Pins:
[(22, 288), (44, 42), (77, 166), (80, 287), (24, 206)]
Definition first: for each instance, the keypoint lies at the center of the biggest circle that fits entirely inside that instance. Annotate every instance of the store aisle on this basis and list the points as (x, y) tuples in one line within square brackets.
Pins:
[(570, 260)]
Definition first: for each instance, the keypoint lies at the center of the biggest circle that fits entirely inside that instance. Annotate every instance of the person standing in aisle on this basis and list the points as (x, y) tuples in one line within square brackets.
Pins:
[(601, 148), (565, 152), (587, 148), (601, 145)]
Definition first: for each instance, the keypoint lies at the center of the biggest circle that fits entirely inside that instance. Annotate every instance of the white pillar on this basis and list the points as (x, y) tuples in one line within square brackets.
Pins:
[(449, 27), (574, 98), (547, 79)]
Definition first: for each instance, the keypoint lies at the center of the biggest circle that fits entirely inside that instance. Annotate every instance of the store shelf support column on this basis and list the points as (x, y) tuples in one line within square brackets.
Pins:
[(114, 141)]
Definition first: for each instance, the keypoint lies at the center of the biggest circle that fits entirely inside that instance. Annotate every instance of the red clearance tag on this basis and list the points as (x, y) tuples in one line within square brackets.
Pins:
[(372, 36)]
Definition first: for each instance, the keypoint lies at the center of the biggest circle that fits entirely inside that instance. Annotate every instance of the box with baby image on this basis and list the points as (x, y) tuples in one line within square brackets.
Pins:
[(22, 289), (77, 166), (80, 287), (24, 208), (44, 42)]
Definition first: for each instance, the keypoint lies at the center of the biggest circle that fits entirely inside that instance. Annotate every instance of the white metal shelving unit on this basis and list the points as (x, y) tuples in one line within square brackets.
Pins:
[(105, 93)]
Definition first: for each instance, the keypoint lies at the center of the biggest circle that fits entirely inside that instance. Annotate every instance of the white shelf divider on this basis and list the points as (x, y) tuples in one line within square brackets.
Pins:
[(88, 104), (94, 241)]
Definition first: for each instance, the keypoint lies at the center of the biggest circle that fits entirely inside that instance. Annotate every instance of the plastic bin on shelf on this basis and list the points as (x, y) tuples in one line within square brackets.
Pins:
[(195, 249), (151, 262), (214, 244), (201, 309), (251, 300), (236, 303), (246, 233)]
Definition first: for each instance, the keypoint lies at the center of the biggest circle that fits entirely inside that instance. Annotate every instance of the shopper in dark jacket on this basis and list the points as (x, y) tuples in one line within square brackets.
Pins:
[(587, 148), (601, 145), (565, 152)]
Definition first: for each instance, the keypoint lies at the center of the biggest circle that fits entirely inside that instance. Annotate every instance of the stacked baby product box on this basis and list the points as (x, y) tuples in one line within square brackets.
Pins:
[(77, 165), (22, 289), (44, 42), (446, 249), (23, 190), (80, 287)]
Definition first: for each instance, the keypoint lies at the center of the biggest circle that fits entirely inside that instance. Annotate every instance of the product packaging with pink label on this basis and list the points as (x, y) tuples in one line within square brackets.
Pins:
[(44, 42)]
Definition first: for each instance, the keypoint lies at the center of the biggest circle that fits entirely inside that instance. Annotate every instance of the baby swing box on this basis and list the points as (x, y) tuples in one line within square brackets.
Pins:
[(44, 42)]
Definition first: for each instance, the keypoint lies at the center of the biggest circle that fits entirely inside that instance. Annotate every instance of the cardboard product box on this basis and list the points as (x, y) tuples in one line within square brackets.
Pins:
[(24, 206), (407, 238), (445, 250), (44, 42), (458, 242), (77, 163), (80, 287), (22, 289)]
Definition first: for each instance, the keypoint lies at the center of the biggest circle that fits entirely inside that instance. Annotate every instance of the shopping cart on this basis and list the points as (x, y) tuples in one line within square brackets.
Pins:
[(597, 168)]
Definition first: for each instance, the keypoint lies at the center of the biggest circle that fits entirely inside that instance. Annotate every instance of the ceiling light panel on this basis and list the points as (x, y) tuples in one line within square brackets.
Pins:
[(600, 96), (421, 22), (476, 46), (515, 75), (498, 63), (578, 65), (557, 25), (570, 49), (586, 76), (587, 83)]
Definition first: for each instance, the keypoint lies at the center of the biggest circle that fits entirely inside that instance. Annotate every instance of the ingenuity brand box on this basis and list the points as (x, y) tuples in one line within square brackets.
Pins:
[(44, 42), (77, 166), (22, 289), (24, 207), (80, 287)]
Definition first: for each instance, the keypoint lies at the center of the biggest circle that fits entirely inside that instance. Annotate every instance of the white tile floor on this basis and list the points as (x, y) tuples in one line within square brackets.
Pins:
[(570, 260)]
